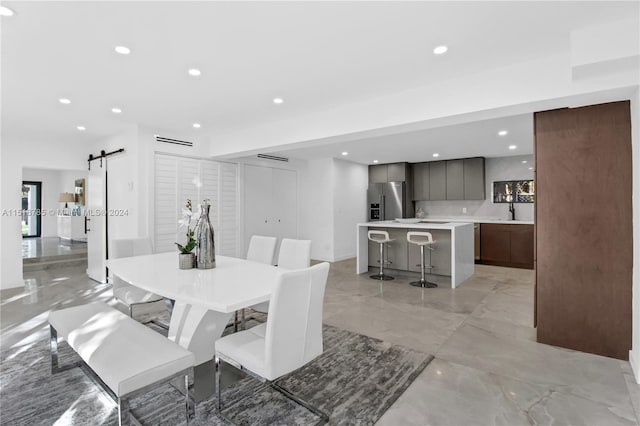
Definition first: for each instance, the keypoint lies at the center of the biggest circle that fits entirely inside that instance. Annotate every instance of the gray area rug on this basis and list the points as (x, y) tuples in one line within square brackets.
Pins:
[(355, 381)]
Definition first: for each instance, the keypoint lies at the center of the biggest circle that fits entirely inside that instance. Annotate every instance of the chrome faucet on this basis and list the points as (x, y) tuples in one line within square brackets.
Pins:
[(512, 210)]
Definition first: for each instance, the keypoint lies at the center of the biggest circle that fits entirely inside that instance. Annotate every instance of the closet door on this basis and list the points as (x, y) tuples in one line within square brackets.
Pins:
[(257, 202), (285, 203)]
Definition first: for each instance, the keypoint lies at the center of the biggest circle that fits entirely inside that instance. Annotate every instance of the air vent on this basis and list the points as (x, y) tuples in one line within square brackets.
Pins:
[(173, 141), (273, 157)]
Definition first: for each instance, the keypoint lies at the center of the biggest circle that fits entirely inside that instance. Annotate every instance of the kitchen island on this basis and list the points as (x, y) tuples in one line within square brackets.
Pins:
[(453, 255)]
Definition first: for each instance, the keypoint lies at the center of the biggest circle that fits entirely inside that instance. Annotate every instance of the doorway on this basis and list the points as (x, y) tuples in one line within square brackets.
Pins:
[(31, 205)]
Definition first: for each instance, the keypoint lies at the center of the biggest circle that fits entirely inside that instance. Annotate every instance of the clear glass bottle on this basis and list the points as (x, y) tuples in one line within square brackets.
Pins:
[(205, 247)]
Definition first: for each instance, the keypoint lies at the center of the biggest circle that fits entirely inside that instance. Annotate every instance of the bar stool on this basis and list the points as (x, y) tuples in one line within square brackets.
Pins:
[(382, 238), (422, 239)]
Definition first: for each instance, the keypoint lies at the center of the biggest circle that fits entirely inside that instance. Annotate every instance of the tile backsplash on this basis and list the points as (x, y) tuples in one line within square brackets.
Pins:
[(496, 169)]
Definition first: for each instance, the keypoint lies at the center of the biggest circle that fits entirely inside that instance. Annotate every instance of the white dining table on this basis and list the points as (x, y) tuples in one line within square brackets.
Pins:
[(205, 299)]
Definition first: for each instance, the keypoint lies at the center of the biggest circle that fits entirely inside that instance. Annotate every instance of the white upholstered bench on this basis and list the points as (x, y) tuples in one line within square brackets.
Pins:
[(124, 356)]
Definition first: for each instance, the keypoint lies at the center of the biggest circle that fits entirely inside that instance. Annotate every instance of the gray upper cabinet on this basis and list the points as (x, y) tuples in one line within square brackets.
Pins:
[(378, 174), (397, 172), (420, 181), (437, 180), (462, 179), (474, 180), (455, 179)]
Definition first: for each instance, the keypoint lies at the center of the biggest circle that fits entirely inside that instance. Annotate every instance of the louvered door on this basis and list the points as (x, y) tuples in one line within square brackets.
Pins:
[(178, 179)]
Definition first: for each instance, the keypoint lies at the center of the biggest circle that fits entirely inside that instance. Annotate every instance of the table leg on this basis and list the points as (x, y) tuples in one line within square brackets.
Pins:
[(196, 329)]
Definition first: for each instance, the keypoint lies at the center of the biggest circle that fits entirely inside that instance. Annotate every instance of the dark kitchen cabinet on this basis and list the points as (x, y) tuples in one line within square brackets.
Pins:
[(394, 172), (378, 174), (455, 179), (474, 179), (462, 179), (437, 180), (420, 181), (398, 172), (507, 245)]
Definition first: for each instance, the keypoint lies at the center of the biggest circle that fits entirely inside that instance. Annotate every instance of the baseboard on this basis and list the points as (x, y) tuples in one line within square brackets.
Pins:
[(344, 257), (634, 360)]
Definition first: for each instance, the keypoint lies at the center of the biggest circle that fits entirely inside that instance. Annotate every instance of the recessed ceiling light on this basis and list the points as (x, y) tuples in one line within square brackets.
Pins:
[(81, 128), (524, 161), (116, 110), (278, 101), (436, 155), (194, 72), (530, 168), (345, 153), (502, 133), (5, 11), (123, 50), (64, 101), (440, 50), (196, 125), (375, 161), (512, 147)]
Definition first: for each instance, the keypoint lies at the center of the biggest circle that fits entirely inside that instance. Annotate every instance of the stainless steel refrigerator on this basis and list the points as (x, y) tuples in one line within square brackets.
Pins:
[(387, 201)]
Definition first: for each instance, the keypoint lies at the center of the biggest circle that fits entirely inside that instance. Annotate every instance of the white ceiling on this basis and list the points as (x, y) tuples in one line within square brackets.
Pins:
[(315, 55), (478, 138)]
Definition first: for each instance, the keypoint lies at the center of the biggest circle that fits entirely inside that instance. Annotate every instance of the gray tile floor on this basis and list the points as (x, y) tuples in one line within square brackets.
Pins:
[(51, 246), (488, 368)]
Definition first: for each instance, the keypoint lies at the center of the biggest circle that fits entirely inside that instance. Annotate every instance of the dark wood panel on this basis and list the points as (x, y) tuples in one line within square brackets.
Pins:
[(584, 228), (507, 245), (522, 247), (495, 244)]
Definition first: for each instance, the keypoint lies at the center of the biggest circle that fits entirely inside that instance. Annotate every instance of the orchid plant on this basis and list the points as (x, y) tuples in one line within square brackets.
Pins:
[(187, 217)]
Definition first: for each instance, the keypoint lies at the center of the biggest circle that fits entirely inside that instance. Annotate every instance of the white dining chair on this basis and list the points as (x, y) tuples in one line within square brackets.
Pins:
[(291, 337), (126, 293), (293, 254), (261, 249)]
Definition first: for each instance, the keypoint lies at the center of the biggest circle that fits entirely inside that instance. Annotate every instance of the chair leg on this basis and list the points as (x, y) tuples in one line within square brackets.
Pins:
[(324, 417), (123, 412), (190, 404), (218, 390), (53, 342), (131, 311), (243, 326)]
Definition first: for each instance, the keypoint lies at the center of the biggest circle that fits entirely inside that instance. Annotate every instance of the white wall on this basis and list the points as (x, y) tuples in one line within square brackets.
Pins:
[(14, 156), (336, 201), (319, 208), (54, 182), (496, 169), (350, 185), (634, 355), (50, 193)]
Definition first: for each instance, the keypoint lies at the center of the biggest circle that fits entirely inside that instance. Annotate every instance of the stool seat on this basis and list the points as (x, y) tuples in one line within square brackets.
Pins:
[(382, 238), (422, 239), (379, 236)]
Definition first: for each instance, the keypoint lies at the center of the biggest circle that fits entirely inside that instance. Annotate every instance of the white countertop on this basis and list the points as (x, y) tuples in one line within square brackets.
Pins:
[(419, 225), (476, 219)]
